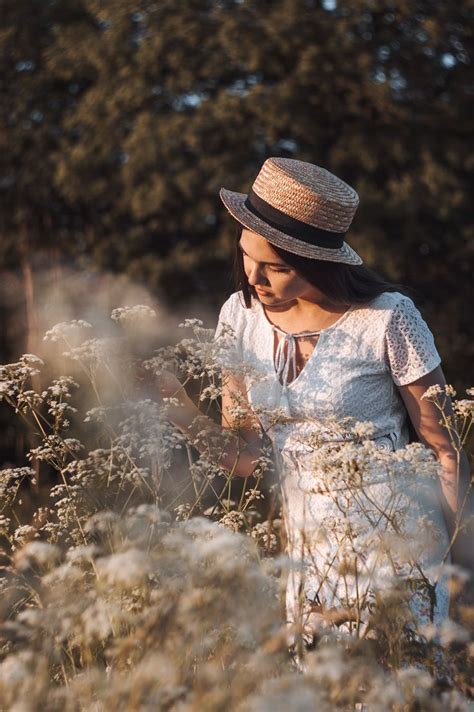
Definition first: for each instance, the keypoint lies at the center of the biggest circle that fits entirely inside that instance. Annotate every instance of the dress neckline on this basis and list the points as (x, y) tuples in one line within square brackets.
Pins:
[(303, 333), (280, 364)]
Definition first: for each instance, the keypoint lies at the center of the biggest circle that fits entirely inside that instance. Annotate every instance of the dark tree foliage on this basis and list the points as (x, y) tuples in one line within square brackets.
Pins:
[(121, 120)]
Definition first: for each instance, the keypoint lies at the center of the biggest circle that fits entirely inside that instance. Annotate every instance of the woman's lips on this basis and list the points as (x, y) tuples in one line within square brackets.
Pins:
[(261, 291)]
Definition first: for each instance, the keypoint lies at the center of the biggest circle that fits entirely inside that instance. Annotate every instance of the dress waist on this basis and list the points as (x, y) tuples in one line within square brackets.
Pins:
[(386, 441)]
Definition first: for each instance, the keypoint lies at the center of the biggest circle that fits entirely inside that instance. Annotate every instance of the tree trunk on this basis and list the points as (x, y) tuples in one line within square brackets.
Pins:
[(31, 336)]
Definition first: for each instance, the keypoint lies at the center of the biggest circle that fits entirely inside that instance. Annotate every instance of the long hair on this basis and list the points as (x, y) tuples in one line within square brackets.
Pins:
[(341, 283)]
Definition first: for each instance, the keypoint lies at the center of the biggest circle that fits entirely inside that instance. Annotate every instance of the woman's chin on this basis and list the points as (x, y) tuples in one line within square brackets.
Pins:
[(263, 295)]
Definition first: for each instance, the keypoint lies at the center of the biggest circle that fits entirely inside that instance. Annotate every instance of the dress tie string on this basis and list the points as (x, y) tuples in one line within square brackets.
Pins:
[(282, 365)]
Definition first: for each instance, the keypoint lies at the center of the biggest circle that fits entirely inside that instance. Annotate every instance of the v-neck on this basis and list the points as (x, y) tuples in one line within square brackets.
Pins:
[(270, 330)]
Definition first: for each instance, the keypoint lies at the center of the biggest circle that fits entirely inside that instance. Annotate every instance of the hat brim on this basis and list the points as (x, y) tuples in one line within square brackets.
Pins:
[(235, 204)]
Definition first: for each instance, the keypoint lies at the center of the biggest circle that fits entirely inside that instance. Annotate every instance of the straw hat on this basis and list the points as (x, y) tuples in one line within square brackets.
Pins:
[(300, 207)]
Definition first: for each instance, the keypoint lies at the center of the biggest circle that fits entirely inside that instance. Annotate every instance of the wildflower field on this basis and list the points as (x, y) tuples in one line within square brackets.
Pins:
[(139, 575)]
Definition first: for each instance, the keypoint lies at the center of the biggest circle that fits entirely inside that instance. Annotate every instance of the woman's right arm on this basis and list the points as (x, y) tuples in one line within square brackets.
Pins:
[(236, 445)]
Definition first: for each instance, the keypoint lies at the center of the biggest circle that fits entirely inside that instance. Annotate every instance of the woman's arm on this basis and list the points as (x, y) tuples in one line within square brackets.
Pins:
[(238, 451), (456, 487)]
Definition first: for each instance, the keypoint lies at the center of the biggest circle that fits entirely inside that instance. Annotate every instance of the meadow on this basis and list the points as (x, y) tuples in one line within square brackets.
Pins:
[(148, 578)]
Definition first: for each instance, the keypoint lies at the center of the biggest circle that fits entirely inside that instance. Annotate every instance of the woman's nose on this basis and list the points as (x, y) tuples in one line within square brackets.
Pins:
[(255, 276)]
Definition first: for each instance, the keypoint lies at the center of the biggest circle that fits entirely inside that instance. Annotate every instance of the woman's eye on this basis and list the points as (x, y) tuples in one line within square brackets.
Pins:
[(272, 269)]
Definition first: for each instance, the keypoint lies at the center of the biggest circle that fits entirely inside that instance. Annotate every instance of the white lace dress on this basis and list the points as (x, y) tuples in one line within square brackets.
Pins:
[(337, 535)]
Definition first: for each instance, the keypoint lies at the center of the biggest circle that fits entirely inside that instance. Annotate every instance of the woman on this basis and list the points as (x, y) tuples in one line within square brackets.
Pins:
[(325, 339)]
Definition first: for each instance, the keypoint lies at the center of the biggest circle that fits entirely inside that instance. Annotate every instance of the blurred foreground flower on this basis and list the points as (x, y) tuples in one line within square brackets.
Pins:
[(154, 581)]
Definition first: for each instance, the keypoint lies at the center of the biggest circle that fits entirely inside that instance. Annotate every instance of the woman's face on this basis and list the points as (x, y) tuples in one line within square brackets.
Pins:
[(274, 281)]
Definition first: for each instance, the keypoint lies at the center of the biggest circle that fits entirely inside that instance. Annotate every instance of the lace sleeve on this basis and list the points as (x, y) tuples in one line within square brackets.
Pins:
[(410, 347), (226, 336)]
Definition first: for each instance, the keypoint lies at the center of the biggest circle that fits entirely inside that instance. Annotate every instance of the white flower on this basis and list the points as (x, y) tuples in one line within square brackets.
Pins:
[(9, 474), (31, 360), (451, 632), (182, 511), (96, 351), (436, 390), (264, 533), (363, 429), (66, 329), (464, 408), (54, 445), (233, 520), (64, 575), (212, 392), (5, 523), (60, 388), (127, 315), (97, 620), (25, 533), (101, 522), (82, 554), (37, 553), (97, 414), (14, 376), (189, 323), (15, 669), (126, 568), (172, 401), (432, 392)]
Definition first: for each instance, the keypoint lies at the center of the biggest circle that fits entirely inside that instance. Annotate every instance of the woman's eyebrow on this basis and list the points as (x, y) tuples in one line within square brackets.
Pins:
[(272, 264)]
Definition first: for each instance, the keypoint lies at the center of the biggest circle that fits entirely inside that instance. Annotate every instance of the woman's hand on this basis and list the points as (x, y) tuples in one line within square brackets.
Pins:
[(168, 386), (180, 410), (163, 385)]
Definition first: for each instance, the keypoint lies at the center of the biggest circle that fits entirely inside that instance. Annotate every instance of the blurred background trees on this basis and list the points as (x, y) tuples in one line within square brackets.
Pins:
[(121, 120)]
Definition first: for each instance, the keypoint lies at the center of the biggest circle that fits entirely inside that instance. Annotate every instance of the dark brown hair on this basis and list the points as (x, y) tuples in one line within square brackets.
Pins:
[(341, 283)]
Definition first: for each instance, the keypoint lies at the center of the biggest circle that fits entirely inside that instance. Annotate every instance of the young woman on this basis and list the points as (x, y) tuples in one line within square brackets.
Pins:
[(323, 337)]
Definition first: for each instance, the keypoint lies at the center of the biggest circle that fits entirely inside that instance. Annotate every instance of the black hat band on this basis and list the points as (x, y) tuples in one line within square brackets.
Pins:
[(291, 226)]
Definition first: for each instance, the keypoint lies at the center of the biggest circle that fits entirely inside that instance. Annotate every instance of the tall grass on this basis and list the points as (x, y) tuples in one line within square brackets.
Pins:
[(152, 579)]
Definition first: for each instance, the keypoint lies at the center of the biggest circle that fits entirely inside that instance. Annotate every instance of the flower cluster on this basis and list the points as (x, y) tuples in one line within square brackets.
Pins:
[(151, 579), (67, 330), (125, 315), (457, 417)]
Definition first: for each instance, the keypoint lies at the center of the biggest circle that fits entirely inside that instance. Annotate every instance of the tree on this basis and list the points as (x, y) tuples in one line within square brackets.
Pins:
[(157, 105)]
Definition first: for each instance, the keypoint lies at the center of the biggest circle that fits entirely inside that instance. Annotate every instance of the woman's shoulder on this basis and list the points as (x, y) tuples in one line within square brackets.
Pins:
[(387, 306), (235, 307), (389, 300), (234, 312), (234, 300), (395, 316), (234, 321), (382, 314)]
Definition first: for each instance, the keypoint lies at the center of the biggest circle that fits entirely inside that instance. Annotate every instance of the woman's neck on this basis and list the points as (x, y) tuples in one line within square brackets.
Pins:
[(306, 317), (303, 309)]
